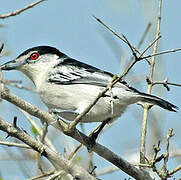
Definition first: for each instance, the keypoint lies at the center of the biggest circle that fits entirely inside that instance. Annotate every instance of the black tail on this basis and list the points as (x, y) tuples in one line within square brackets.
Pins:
[(158, 101)]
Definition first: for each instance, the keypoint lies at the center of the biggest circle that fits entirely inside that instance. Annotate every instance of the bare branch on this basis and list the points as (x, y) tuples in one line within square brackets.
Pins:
[(41, 176), (165, 83), (106, 170), (74, 133), (56, 175), (160, 53), (166, 156), (141, 40), (12, 144), (2, 16), (150, 45), (38, 129), (114, 32), (55, 158), (146, 106), (163, 173), (173, 84), (178, 168)]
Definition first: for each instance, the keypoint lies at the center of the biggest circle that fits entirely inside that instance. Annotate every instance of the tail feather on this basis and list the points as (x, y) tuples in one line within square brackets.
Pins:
[(158, 101)]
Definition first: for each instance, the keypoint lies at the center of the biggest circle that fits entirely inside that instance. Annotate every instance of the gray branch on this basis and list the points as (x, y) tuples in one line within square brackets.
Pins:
[(55, 158), (58, 161)]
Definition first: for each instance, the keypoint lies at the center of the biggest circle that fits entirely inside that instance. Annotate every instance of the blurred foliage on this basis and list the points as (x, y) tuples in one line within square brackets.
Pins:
[(2, 26)]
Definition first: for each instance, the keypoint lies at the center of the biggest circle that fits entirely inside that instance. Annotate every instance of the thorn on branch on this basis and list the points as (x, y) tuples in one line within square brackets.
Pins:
[(148, 80), (7, 136), (158, 159), (170, 134), (93, 170), (15, 122), (1, 48), (156, 147), (165, 84)]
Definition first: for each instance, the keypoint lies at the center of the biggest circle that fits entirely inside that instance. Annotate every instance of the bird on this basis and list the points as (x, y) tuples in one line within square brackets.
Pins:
[(68, 86)]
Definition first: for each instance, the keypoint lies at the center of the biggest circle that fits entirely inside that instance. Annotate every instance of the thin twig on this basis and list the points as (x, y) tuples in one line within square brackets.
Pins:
[(133, 62), (163, 173), (12, 144), (160, 53), (168, 83), (72, 155), (41, 176), (45, 131), (38, 159), (38, 129), (165, 83), (114, 32), (146, 106), (56, 174), (1, 48), (166, 156), (149, 46), (106, 170), (173, 84), (141, 40), (38, 163), (2, 16), (90, 162), (178, 168)]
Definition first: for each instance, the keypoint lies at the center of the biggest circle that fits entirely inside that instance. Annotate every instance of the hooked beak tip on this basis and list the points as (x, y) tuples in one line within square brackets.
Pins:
[(10, 65), (7, 67), (3, 67)]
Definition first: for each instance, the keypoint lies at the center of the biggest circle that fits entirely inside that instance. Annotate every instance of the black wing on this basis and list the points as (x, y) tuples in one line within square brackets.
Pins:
[(71, 71)]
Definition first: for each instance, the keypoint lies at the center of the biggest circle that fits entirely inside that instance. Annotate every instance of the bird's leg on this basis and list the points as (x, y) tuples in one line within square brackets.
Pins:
[(94, 136)]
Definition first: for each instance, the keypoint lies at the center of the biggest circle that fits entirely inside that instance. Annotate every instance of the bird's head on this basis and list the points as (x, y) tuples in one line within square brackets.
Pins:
[(34, 61)]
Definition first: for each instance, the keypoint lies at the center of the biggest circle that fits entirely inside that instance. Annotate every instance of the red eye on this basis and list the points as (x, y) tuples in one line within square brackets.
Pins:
[(34, 56)]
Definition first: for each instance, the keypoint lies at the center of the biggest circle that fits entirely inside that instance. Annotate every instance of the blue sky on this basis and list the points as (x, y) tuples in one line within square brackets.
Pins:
[(69, 26)]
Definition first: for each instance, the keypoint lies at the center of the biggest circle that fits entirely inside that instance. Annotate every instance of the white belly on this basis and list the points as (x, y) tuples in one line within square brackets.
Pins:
[(75, 98)]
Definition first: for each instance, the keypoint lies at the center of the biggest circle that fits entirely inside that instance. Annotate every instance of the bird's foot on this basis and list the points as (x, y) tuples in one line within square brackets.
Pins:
[(93, 137)]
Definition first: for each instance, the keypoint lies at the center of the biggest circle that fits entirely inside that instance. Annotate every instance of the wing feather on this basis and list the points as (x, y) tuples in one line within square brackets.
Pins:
[(71, 71)]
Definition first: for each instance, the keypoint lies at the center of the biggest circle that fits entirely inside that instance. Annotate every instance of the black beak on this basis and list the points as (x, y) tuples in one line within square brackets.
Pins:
[(11, 65)]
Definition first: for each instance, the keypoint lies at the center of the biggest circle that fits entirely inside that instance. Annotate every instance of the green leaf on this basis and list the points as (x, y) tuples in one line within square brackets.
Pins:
[(34, 130)]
